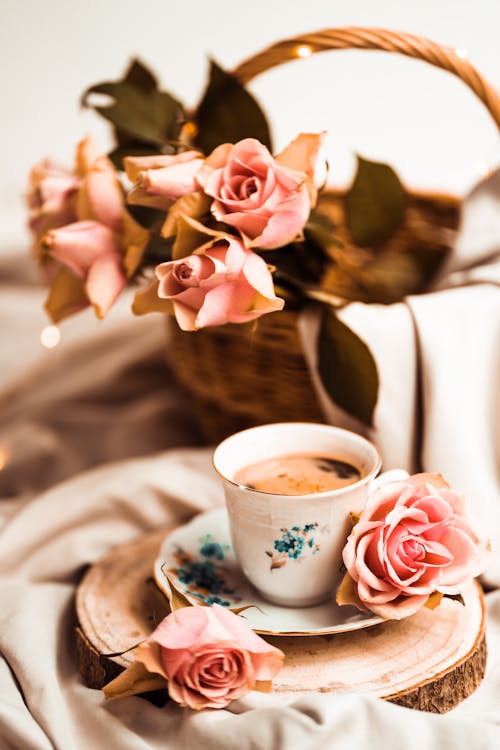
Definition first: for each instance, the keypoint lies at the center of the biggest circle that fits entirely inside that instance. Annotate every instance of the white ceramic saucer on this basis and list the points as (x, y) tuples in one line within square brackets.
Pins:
[(199, 560)]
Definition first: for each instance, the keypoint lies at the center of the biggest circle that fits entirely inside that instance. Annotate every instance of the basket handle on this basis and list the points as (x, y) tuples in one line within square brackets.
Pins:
[(352, 37)]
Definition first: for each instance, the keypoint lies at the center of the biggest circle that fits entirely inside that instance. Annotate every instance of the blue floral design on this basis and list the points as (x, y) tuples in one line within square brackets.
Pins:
[(211, 548), (289, 543), (203, 578), (292, 543)]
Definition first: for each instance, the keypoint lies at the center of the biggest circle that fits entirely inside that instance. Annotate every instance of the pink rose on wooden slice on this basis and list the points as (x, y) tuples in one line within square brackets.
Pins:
[(209, 656), (225, 283), (412, 539), (160, 180), (100, 248), (267, 200)]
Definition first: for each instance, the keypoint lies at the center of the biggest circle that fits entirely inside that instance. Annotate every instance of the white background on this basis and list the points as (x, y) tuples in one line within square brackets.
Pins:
[(420, 119)]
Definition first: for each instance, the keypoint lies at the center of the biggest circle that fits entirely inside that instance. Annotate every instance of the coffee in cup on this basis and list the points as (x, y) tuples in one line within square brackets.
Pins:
[(289, 543)]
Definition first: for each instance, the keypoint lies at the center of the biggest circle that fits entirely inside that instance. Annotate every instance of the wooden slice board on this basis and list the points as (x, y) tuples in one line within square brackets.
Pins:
[(430, 661)]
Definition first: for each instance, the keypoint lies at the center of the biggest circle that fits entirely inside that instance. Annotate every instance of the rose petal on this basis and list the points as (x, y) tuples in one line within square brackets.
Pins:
[(100, 196), (399, 608), (105, 280), (79, 245), (285, 226), (171, 182), (135, 165)]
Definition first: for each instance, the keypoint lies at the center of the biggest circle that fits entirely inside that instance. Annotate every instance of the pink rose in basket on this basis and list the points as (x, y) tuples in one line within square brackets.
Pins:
[(51, 197), (225, 283), (92, 241), (160, 180), (209, 656), (412, 539), (267, 200)]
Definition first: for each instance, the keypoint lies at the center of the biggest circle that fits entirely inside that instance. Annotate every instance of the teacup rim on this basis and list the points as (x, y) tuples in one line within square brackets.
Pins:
[(328, 494)]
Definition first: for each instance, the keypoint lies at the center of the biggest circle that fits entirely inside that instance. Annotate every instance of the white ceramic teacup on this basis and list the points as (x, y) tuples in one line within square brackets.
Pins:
[(290, 546)]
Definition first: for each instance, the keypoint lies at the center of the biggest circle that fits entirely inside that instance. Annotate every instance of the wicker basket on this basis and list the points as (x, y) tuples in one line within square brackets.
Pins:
[(239, 376)]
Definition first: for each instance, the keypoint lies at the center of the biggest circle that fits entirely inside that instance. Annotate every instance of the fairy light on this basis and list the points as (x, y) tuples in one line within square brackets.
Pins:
[(483, 169), (50, 337), (3, 458), (462, 53), (303, 50), (190, 130)]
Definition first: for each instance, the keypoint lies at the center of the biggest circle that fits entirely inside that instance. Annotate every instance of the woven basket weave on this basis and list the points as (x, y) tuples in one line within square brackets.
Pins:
[(242, 375)]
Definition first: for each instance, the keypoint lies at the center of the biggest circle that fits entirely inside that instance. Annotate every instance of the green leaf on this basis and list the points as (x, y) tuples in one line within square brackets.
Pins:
[(147, 217), (140, 76), (347, 368), (158, 249), (320, 230), (375, 203), (303, 263), (391, 276), (228, 112), (138, 110)]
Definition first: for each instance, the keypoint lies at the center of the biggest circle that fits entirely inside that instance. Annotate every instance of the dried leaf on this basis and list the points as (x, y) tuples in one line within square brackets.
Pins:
[(136, 240), (66, 296), (177, 599), (193, 237), (375, 203), (147, 301), (434, 600), (355, 517), (133, 680), (347, 368), (194, 205), (239, 610), (347, 593), (228, 112)]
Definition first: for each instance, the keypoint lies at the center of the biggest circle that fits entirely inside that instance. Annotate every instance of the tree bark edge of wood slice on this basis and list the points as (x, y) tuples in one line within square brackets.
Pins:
[(109, 623)]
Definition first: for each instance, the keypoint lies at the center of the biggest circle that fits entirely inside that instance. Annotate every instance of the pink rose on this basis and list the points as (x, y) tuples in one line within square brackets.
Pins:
[(209, 656), (160, 180), (92, 252), (267, 200), (226, 283), (51, 197), (412, 539), (97, 244)]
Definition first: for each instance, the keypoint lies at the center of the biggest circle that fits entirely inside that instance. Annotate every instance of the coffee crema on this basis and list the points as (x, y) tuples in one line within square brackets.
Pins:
[(298, 474)]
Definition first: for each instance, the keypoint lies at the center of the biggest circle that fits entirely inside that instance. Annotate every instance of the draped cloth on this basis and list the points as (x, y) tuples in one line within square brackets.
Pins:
[(107, 397)]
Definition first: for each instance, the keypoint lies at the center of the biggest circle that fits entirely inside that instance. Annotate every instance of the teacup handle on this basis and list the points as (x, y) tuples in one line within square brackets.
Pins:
[(393, 475)]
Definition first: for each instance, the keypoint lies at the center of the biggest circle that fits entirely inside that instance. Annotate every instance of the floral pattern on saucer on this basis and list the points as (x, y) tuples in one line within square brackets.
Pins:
[(292, 544), (202, 577), (198, 560)]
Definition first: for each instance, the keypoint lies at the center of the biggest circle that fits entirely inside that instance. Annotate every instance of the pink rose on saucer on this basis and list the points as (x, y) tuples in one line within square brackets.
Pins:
[(226, 283), (412, 539), (267, 200), (209, 656)]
